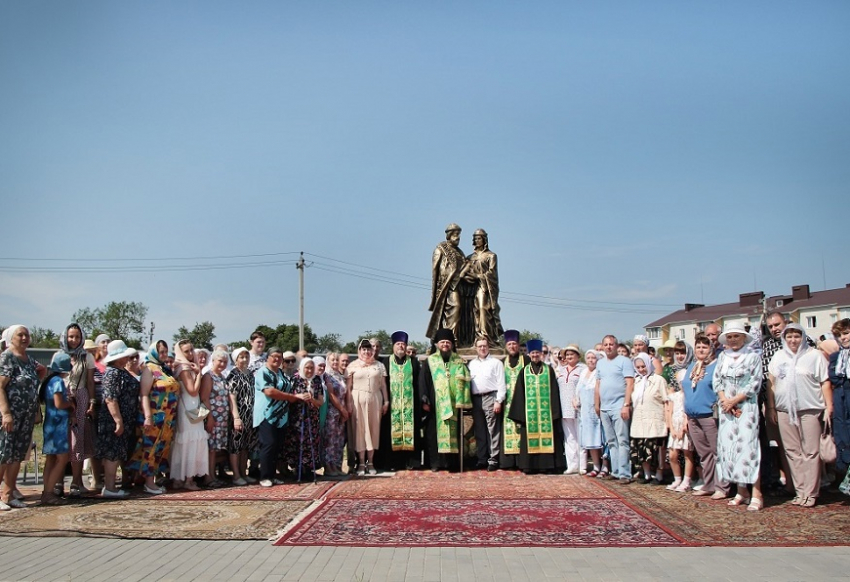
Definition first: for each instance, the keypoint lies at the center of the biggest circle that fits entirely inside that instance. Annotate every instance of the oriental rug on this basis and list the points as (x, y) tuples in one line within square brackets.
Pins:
[(470, 523), (288, 491), (155, 519), (704, 522), (472, 485)]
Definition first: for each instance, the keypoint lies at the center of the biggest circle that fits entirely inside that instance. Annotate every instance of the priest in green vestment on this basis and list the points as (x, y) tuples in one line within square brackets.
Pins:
[(405, 415), (536, 409), (514, 363), (444, 384)]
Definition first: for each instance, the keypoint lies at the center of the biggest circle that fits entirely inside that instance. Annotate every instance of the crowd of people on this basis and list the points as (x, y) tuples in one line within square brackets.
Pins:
[(732, 417)]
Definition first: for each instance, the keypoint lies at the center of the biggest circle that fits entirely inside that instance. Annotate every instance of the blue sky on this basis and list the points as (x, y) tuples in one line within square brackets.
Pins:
[(625, 159)]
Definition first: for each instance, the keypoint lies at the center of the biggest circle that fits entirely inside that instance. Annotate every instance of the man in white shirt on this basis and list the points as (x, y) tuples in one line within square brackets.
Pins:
[(488, 397)]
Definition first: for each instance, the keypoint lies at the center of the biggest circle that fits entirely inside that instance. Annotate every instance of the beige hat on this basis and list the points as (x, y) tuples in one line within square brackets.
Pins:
[(668, 345), (572, 348)]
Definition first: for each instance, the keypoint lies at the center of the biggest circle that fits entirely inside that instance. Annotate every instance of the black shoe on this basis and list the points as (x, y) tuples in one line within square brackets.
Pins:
[(480, 466), (656, 482), (492, 467), (642, 480)]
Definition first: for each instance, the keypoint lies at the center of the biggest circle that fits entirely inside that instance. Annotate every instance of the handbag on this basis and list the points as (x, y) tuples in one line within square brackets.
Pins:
[(195, 415), (828, 453)]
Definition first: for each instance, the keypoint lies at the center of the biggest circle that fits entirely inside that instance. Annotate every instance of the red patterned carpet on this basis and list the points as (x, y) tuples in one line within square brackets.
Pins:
[(471, 485), (287, 491), (467, 522)]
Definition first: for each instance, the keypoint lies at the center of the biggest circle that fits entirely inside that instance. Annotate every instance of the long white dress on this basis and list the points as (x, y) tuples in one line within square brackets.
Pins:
[(190, 452)]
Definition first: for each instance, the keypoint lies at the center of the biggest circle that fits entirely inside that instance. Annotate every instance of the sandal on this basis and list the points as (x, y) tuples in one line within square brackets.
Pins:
[(16, 503), (808, 502), (739, 500), (797, 501), (51, 499), (593, 473), (756, 504)]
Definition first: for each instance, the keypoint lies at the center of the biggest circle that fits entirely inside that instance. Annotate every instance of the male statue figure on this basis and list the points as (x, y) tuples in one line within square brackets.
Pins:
[(448, 269)]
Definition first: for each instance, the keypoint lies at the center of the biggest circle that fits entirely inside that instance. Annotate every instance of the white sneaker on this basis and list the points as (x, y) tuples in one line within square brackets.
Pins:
[(4, 507), (684, 487), (266, 483), (571, 471), (672, 486), (698, 486)]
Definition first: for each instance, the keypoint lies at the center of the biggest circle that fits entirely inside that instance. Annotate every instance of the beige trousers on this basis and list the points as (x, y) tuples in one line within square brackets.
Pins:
[(802, 448)]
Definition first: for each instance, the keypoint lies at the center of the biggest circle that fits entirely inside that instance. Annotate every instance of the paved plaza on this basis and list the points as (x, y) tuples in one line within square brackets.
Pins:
[(72, 558)]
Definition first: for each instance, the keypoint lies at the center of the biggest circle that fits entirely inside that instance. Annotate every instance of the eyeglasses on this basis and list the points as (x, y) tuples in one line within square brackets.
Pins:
[(289, 361), (545, 352)]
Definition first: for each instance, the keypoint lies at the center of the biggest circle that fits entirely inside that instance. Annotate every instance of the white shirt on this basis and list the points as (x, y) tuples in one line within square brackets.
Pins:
[(811, 372), (488, 375)]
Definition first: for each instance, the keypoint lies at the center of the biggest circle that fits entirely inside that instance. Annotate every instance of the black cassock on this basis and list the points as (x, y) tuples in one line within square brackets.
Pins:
[(546, 462)]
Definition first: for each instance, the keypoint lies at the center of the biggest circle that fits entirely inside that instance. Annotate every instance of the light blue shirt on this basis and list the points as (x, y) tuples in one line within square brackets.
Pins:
[(276, 412), (612, 376)]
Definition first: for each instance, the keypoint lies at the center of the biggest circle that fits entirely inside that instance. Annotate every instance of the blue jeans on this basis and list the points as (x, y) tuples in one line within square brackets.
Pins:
[(616, 432)]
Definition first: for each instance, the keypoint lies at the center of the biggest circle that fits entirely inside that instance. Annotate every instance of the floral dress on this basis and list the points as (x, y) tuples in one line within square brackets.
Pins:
[(679, 420), (56, 421), (121, 387), (154, 446), (220, 414), (334, 432), (241, 385), (738, 450), (303, 442), (22, 396)]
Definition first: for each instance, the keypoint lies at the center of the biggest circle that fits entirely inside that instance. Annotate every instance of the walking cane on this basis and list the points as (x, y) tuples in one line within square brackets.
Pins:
[(460, 437), (301, 448), (312, 447)]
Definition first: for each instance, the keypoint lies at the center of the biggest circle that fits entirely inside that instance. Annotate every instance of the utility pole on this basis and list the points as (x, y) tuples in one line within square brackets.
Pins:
[(152, 328), (300, 266)]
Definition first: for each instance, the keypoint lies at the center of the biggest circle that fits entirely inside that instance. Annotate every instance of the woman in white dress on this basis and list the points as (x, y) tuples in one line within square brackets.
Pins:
[(190, 453)]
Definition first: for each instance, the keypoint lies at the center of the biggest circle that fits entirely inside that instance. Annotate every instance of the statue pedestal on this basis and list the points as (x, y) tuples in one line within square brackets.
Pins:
[(470, 353)]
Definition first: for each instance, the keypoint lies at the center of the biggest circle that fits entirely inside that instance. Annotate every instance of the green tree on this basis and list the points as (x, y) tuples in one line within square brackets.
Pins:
[(526, 335), (43, 338), (124, 320), (386, 342), (285, 336), (330, 342), (201, 336)]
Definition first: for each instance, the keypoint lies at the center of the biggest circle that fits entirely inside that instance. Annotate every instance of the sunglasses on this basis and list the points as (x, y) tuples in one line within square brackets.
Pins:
[(289, 360)]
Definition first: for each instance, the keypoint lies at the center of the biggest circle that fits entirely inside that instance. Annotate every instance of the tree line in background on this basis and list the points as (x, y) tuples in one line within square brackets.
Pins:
[(126, 321)]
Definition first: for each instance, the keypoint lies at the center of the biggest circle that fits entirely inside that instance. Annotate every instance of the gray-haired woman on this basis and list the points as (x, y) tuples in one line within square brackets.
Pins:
[(216, 398)]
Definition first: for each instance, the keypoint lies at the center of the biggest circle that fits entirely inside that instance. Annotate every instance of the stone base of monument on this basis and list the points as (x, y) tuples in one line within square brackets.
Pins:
[(469, 353)]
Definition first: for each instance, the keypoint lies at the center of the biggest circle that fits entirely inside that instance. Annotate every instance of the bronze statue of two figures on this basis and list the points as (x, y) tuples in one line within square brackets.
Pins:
[(465, 290)]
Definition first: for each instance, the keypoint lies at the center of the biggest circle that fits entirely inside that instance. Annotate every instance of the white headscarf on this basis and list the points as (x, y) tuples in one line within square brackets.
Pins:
[(642, 380), (302, 365), (9, 333), (790, 373)]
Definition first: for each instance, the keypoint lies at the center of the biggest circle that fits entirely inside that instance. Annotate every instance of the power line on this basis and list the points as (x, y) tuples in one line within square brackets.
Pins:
[(379, 275), (157, 259)]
